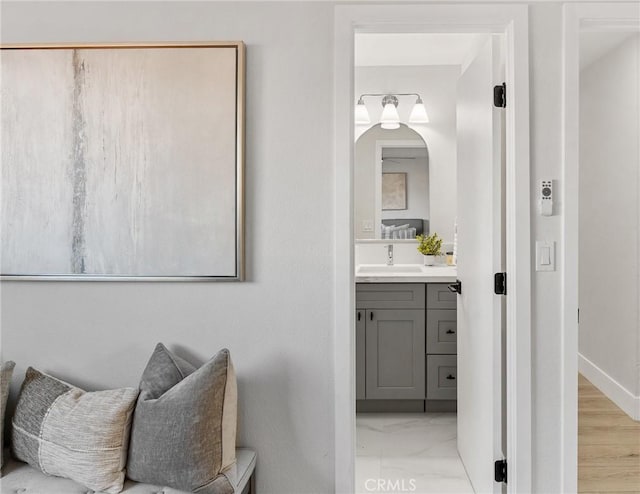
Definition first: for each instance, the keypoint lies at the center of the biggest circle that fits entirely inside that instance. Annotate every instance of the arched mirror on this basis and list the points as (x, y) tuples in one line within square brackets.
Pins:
[(391, 177)]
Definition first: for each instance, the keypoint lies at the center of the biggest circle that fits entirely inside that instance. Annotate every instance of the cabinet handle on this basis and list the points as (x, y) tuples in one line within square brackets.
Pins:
[(451, 378), (456, 287), (359, 315), (371, 316), (450, 331)]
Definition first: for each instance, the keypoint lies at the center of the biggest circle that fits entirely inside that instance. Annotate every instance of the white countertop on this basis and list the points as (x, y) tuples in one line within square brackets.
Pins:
[(405, 273)]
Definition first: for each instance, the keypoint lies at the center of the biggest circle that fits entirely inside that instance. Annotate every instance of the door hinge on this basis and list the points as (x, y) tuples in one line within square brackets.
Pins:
[(500, 283), (500, 471), (500, 95)]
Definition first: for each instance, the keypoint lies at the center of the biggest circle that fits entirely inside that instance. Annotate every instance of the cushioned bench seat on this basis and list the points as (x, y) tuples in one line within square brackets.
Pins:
[(20, 478)]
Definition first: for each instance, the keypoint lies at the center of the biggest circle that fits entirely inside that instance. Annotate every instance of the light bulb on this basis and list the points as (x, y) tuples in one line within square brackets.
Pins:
[(362, 115), (390, 119), (419, 113)]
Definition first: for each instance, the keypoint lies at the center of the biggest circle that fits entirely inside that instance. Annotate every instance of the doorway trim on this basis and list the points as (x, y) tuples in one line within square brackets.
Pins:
[(512, 20), (577, 17)]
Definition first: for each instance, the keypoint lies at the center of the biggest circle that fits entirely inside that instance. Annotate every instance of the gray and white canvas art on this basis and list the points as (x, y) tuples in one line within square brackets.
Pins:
[(119, 162), (394, 191)]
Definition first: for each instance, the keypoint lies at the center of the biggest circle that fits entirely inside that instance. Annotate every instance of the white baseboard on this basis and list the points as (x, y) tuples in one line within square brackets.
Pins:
[(617, 393)]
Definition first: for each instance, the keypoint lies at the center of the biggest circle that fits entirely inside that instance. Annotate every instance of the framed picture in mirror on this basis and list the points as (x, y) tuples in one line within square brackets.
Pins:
[(394, 191)]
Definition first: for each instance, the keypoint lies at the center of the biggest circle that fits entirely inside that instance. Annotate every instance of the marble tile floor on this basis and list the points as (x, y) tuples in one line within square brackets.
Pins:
[(408, 452)]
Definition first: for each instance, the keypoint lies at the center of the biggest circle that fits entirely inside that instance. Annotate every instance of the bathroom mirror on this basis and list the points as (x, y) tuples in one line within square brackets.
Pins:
[(391, 177)]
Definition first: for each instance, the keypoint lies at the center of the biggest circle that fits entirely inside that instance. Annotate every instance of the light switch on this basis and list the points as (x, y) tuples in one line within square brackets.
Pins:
[(545, 256), (367, 226)]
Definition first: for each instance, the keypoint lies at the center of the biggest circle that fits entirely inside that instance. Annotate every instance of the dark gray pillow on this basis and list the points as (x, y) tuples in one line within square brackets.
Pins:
[(184, 426), (6, 371)]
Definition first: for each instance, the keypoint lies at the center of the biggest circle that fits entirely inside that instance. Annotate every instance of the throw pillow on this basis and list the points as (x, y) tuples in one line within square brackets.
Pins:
[(67, 432), (184, 427), (6, 371)]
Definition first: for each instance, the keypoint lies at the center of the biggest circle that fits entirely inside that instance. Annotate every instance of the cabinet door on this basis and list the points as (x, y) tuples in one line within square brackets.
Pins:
[(442, 326), (361, 351), (440, 297), (390, 296), (395, 354), (442, 377)]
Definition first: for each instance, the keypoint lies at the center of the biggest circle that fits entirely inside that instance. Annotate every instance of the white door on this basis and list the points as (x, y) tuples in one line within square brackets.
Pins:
[(480, 227)]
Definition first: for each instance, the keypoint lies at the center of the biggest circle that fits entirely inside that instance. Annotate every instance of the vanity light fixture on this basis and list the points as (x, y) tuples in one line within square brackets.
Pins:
[(390, 118)]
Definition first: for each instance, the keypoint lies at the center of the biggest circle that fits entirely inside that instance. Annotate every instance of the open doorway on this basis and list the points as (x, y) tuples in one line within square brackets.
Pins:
[(609, 258), (429, 361), (510, 21)]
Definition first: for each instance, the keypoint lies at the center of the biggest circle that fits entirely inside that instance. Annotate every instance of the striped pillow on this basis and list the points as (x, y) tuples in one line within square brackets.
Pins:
[(67, 432)]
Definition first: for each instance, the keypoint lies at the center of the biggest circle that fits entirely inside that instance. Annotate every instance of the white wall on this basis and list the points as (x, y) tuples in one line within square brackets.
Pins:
[(278, 324), (101, 334), (437, 86), (609, 215)]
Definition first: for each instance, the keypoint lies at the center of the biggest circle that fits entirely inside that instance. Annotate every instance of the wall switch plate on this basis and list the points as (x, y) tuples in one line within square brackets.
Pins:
[(367, 226), (545, 255)]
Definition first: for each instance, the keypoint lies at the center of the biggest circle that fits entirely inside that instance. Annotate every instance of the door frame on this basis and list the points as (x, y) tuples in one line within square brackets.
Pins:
[(512, 20), (577, 17)]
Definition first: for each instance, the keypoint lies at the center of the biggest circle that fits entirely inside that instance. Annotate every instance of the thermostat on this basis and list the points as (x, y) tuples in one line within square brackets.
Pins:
[(546, 197)]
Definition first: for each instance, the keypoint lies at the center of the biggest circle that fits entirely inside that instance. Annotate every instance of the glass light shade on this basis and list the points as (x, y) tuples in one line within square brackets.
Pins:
[(362, 115), (390, 119), (419, 114)]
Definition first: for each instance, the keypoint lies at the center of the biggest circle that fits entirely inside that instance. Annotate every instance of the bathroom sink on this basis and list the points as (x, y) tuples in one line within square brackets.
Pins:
[(384, 268)]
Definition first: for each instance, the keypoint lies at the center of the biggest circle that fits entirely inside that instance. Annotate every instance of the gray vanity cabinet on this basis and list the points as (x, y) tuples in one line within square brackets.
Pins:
[(405, 347), (395, 365)]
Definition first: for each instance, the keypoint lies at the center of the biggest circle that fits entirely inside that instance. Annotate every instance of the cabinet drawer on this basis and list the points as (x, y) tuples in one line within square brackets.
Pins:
[(390, 296), (440, 297), (442, 329), (442, 378)]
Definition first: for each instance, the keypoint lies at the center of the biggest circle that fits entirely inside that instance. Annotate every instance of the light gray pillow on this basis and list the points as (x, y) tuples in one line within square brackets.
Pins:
[(6, 371), (184, 427), (67, 432)]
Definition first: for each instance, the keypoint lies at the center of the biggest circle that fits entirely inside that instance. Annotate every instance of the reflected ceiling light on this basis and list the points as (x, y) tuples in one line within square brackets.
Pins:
[(390, 119), (362, 115), (419, 113)]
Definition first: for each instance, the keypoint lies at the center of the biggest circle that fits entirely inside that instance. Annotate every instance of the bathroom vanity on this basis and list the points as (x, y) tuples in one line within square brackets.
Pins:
[(406, 325)]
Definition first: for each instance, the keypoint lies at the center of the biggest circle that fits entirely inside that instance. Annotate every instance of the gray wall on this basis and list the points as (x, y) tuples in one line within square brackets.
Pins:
[(277, 326), (609, 214)]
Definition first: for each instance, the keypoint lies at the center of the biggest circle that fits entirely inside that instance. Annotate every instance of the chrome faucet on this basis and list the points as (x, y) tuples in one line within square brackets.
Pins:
[(390, 255)]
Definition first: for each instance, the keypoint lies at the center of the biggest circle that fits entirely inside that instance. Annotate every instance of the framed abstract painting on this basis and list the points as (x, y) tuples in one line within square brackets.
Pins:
[(123, 162)]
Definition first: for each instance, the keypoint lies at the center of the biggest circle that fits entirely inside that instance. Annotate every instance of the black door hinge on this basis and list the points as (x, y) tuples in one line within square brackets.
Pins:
[(500, 283), (500, 95), (500, 471)]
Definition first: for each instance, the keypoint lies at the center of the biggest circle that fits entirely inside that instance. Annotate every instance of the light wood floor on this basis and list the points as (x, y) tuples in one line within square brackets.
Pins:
[(608, 445)]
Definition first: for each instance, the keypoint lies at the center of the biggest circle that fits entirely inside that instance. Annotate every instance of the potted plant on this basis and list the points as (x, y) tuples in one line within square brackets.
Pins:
[(429, 246)]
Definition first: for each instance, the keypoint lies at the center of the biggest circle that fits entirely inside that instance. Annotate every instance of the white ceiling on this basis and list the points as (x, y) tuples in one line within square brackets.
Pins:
[(596, 44), (373, 49)]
